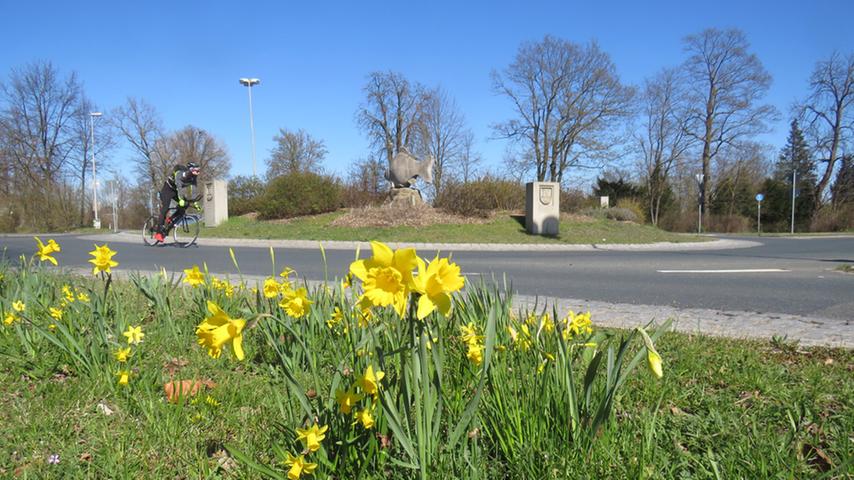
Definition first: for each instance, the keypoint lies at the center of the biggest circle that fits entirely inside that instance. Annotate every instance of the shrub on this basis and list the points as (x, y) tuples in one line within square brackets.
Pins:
[(572, 201), (833, 219), (635, 206), (244, 195), (729, 223), (480, 197), (614, 213), (300, 193)]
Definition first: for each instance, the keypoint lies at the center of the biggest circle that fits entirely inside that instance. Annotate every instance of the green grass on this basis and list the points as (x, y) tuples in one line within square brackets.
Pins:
[(503, 229), (725, 408), (846, 268)]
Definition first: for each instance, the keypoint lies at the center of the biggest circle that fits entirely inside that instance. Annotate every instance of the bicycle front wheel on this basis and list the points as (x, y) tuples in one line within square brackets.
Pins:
[(148, 231), (186, 231)]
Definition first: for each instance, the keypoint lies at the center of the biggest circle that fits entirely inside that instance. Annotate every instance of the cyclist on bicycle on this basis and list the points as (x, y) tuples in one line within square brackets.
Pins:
[(183, 178)]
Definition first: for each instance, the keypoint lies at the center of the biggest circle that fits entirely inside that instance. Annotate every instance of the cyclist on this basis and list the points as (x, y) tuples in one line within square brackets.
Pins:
[(183, 178)]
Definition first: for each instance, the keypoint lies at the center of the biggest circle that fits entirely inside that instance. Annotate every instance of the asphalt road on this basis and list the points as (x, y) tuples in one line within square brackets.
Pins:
[(806, 285)]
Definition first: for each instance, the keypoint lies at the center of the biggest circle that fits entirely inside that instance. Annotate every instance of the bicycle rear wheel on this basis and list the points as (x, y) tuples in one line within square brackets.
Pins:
[(148, 231), (186, 231)]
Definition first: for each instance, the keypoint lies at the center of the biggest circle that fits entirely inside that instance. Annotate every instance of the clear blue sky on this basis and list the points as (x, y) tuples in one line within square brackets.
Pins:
[(185, 57)]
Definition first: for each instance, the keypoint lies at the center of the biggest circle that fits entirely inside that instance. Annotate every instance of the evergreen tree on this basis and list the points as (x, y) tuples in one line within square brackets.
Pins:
[(843, 188), (796, 156)]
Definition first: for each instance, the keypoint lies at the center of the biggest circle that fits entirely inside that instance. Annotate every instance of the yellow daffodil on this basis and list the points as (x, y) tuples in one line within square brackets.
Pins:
[(124, 377), (219, 329), (298, 467), (82, 297), (55, 313), (10, 318), (312, 436), (19, 306), (122, 354), (68, 294), (521, 338), (370, 381), (402, 260), (103, 259), (435, 282), (134, 335), (469, 333), (287, 272), (652, 356), (337, 317), (384, 286), (296, 303), (271, 288), (44, 252), (347, 400), (347, 281), (475, 353), (366, 418), (194, 277), (365, 314), (547, 324)]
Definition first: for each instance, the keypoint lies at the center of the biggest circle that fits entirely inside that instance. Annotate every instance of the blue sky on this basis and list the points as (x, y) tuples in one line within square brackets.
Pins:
[(185, 57)]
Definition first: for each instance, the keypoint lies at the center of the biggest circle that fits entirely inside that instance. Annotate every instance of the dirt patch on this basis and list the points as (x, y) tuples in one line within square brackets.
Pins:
[(250, 216), (418, 216)]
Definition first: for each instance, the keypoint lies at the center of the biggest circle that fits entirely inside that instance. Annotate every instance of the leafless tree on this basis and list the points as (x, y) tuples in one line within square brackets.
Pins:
[(140, 125), (191, 144), (40, 108), (828, 115), (739, 170), (568, 100), (104, 143), (726, 83), (663, 141), (470, 160), (295, 151), (392, 113), (443, 134)]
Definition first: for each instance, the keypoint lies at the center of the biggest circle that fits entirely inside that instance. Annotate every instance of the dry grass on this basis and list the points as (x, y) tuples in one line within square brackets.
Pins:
[(418, 216)]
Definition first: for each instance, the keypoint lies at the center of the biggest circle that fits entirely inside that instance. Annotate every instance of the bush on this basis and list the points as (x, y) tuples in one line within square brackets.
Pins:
[(729, 224), (300, 193), (635, 206), (480, 197), (833, 219), (572, 201), (244, 195), (614, 213)]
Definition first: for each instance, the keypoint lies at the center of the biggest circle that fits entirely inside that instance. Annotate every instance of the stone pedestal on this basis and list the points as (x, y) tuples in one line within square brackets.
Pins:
[(542, 208), (215, 202), (405, 197)]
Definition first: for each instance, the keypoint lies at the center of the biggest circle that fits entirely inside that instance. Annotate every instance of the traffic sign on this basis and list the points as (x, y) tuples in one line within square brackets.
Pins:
[(760, 197)]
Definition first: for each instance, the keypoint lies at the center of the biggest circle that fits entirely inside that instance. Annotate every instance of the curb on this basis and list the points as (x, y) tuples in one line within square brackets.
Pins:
[(719, 244)]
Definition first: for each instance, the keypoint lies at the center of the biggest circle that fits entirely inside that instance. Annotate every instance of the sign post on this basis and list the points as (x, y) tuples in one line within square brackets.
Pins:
[(759, 198)]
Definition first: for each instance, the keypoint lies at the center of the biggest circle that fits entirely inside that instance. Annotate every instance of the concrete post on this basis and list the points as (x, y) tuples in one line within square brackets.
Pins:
[(542, 208), (215, 202)]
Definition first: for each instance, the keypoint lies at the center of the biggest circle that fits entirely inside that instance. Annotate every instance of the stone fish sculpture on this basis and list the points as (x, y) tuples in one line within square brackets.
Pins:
[(405, 168)]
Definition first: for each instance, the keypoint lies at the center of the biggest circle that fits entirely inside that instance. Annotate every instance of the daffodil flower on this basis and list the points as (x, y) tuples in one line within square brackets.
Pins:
[(19, 306), (219, 329), (122, 354), (402, 260), (133, 334), (103, 259), (384, 286), (435, 282), (366, 418), (271, 288), (370, 381), (652, 356), (10, 318), (312, 436), (124, 377), (194, 277), (347, 400), (296, 303), (44, 252), (298, 466)]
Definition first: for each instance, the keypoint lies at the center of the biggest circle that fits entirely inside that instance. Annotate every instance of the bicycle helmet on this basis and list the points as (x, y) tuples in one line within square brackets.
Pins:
[(193, 168)]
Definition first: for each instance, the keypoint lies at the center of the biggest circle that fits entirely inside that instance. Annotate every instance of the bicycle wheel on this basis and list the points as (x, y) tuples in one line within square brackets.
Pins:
[(148, 231), (186, 231)]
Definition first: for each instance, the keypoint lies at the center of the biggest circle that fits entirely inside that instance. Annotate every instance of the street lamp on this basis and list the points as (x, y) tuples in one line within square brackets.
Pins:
[(97, 221), (248, 82)]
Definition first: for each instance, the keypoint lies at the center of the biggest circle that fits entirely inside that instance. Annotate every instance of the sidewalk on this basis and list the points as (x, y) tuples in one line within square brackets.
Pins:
[(719, 244)]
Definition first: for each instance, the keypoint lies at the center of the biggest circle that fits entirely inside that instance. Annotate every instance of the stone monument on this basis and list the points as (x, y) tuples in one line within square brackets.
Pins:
[(542, 208), (215, 202), (403, 169)]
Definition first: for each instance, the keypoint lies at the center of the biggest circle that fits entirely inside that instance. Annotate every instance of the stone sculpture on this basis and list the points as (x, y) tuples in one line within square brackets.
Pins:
[(404, 168)]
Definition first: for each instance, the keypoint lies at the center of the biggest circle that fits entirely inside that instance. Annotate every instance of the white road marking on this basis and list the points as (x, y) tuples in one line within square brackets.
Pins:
[(748, 270)]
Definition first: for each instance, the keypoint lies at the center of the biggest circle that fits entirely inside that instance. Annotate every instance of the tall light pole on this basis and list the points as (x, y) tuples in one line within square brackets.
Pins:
[(699, 177), (248, 82), (97, 221), (794, 180)]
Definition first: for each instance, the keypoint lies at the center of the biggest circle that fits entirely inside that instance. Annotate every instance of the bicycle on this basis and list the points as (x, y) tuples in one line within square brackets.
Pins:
[(183, 226)]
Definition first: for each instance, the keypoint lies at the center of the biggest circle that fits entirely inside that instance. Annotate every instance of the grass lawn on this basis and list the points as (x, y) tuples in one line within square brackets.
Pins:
[(723, 409), (503, 229)]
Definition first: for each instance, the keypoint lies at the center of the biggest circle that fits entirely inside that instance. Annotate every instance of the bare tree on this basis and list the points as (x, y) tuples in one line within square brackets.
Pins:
[(726, 83), (40, 141), (443, 134), (568, 100), (827, 113), (104, 143), (740, 169), (392, 114), (191, 144), (140, 124), (295, 151), (663, 141), (470, 160)]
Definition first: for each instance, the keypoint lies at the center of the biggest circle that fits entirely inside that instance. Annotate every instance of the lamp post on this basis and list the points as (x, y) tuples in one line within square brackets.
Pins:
[(97, 221), (699, 177), (249, 82), (794, 180)]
